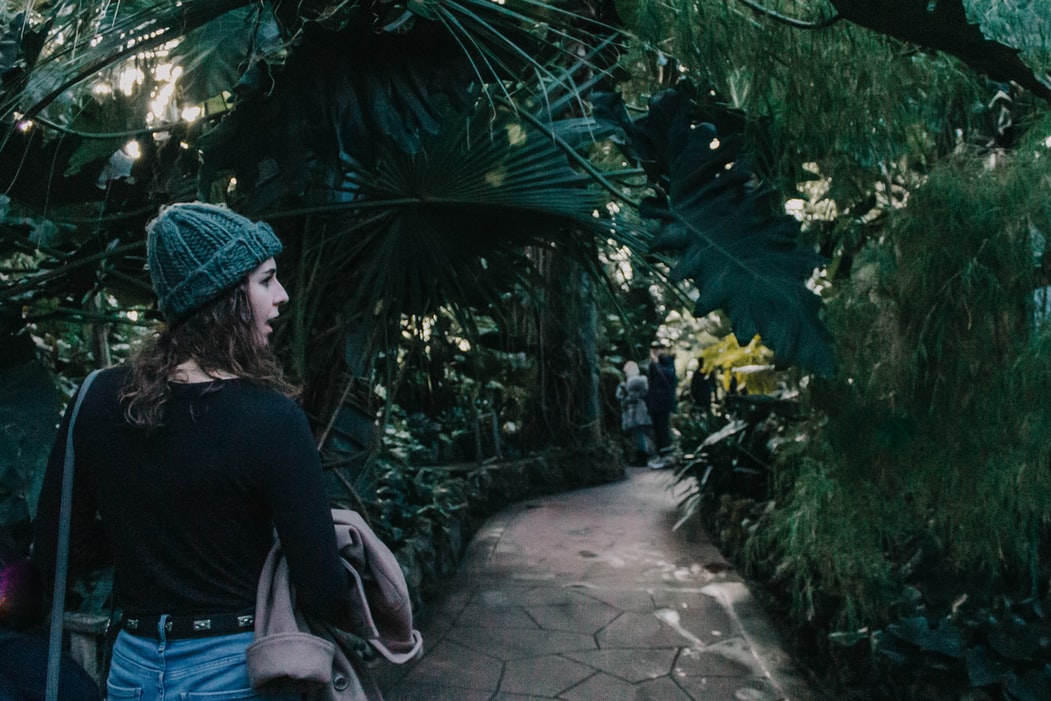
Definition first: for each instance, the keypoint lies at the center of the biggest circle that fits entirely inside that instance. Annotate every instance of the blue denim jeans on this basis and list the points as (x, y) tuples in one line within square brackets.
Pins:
[(195, 669)]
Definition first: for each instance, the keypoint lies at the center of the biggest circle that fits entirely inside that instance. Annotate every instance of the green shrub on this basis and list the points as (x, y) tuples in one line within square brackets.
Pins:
[(922, 480)]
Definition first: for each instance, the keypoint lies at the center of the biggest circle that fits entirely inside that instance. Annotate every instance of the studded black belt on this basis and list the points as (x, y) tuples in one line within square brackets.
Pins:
[(176, 627)]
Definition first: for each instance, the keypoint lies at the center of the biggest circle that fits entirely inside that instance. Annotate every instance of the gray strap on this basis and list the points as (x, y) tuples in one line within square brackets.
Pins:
[(58, 600)]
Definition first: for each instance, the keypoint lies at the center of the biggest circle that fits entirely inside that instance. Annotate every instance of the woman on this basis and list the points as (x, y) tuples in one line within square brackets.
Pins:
[(190, 459)]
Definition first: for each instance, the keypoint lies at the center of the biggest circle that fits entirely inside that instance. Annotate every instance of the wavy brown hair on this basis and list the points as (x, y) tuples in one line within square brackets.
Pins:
[(220, 337)]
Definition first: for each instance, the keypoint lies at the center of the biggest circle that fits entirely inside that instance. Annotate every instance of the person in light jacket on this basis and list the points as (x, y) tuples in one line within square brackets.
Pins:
[(634, 416), (188, 461)]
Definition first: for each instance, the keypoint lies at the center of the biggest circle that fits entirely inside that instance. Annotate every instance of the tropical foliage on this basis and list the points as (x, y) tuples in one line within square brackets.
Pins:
[(483, 203), (914, 490), (428, 166)]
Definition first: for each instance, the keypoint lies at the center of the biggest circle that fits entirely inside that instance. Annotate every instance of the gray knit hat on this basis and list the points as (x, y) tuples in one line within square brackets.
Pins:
[(197, 251)]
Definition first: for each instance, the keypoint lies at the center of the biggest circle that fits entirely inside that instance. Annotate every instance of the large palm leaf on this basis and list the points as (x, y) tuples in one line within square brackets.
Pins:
[(342, 94), (382, 72), (303, 125), (433, 228)]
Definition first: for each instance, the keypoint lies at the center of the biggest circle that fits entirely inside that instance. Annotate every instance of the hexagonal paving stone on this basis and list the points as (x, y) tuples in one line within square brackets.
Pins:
[(628, 664), (435, 692), (574, 617), (643, 630), (662, 689), (543, 676), (702, 615), (600, 686), (519, 643), (531, 595), (712, 688), (638, 600), (495, 617), (451, 664), (730, 658)]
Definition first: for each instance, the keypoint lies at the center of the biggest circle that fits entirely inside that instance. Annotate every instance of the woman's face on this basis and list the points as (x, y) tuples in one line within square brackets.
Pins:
[(265, 294)]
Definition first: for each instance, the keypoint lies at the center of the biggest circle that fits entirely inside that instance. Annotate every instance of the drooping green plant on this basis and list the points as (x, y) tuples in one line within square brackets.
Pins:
[(933, 437)]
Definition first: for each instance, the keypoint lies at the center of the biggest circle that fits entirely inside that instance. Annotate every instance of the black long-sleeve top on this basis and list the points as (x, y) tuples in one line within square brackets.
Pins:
[(663, 381), (190, 510)]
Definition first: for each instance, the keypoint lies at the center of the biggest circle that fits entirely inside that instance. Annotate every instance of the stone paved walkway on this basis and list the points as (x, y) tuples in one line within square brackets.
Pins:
[(590, 596)]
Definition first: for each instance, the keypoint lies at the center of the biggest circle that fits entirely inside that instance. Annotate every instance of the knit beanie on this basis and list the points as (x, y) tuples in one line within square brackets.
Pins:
[(197, 251)]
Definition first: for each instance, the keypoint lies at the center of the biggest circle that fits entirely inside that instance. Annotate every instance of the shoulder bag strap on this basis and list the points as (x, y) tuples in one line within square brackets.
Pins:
[(58, 600)]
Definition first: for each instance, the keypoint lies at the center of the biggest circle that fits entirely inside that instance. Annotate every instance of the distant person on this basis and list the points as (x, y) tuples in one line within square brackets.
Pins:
[(702, 387), (634, 416), (660, 400)]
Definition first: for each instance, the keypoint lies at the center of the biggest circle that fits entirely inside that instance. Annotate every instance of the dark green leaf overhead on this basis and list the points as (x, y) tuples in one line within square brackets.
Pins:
[(375, 76), (325, 108), (20, 46), (729, 235), (95, 38), (332, 107), (215, 57), (946, 26)]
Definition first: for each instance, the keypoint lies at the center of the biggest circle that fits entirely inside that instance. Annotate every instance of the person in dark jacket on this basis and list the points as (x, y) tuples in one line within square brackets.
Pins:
[(661, 404), (189, 460), (702, 387)]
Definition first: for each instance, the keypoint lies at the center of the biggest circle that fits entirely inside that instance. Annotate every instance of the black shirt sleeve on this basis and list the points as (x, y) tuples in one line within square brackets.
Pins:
[(299, 503)]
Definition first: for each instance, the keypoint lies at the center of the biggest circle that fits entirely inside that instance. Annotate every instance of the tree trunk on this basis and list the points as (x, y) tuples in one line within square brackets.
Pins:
[(568, 354)]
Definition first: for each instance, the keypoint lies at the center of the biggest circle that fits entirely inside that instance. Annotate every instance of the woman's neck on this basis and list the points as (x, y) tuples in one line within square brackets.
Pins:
[(189, 372)]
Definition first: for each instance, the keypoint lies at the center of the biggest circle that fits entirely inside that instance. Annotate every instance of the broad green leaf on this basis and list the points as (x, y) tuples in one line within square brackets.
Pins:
[(731, 240), (334, 104), (1033, 685), (215, 57), (944, 639), (1022, 24), (104, 125), (20, 44), (29, 405), (87, 40), (983, 669), (848, 638)]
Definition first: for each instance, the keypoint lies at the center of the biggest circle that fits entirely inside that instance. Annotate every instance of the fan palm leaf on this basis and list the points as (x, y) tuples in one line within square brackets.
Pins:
[(501, 39), (428, 227)]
